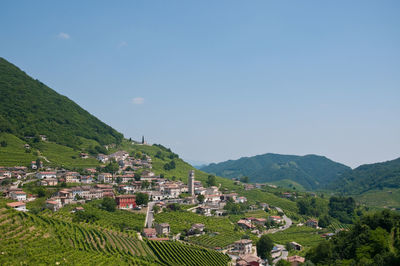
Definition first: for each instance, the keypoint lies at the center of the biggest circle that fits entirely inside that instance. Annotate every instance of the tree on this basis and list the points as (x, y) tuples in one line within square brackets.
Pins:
[(200, 198), (324, 221), (283, 262), (108, 204), (145, 184), (3, 143), (211, 181), (264, 247), (244, 179), (142, 198), (41, 192), (156, 208), (112, 167)]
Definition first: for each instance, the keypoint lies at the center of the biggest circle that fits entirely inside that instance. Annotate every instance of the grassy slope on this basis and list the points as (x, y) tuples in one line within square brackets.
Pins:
[(389, 198), (58, 155), (14, 154)]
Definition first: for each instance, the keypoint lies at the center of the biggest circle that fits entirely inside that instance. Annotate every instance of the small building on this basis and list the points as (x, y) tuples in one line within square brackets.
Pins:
[(204, 210), (312, 223), (84, 155), (275, 219), (19, 206), (42, 175), (241, 200), (49, 182), (259, 221), (162, 229), (86, 179), (53, 205), (197, 228), (296, 246), (18, 195), (126, 201), (243, 246), (105, 177), (149, 232), (245, 224), (248, 260), (295, 260)]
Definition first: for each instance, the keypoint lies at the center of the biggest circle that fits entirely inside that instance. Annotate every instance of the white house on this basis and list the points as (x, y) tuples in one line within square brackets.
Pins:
[(105, 177), (42, 175), (19, 206), (18, 195), (243, 246)]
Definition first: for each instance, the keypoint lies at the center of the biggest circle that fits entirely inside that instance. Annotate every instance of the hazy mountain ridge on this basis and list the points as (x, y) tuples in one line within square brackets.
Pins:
[(311, 171)]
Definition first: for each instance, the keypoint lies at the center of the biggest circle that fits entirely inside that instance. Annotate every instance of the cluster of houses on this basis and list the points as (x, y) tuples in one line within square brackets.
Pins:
[(18, 172), (252, 223), (125, 161)]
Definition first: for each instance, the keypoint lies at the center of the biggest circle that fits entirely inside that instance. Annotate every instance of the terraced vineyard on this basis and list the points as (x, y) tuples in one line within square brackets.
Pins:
[(177, 253), (303, 235), (339, 226), (216, 240), (120, 220), (30, 239), (221, 228)]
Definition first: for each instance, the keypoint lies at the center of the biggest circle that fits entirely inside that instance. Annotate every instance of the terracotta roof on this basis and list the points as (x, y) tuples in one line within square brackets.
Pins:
[(15, 204), (296, 258)]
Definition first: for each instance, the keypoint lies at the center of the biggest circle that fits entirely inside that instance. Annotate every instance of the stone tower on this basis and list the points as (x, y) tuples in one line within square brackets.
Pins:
[(191, 183)]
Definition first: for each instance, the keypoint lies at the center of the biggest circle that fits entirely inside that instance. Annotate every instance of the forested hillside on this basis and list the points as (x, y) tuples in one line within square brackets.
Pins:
[(374, 240), (311, 171), (28, 108), (369, 177)]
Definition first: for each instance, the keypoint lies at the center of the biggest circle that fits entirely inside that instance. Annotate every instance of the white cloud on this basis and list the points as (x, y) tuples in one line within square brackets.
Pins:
[(122, 44), (63, 35), (138, 100)]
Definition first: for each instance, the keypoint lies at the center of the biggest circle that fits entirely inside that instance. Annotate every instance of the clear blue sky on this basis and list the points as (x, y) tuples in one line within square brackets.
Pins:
[(217, 80)]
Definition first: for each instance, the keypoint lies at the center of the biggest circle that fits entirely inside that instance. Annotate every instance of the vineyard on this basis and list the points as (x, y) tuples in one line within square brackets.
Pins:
[(27, 238), (32, 239), (177, 253), (304, 235), (335, 226), (120, 220), (221, 231)]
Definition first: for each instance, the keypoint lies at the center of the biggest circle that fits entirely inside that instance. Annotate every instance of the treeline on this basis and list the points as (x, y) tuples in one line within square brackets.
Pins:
[(369, 177), (373, 240), (344, 209), (29, 108)]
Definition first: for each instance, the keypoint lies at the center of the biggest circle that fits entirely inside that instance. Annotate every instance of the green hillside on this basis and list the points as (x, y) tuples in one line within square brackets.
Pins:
[(30, 239), (30, 108), (310, 171), (369, 177)]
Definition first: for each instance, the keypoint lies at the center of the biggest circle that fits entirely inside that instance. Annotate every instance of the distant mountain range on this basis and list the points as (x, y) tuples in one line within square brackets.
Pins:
[(310, 171)]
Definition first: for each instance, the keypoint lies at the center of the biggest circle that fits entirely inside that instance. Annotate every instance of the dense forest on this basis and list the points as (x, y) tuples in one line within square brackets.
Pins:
[(29, 108), (373, 240), (369, 177), (311, 171)]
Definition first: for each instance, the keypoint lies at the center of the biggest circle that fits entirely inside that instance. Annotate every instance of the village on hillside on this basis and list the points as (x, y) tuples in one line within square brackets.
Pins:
[(132, 177)]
